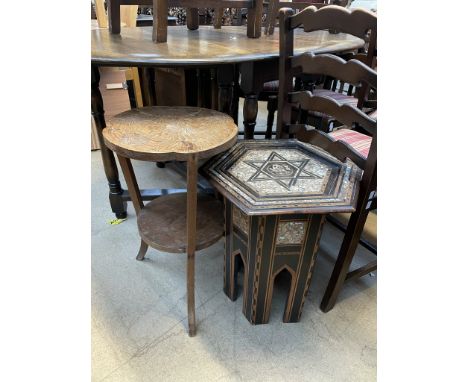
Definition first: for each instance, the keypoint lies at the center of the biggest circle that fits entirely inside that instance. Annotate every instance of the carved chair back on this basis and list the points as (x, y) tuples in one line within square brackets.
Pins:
[(353, 72), (275, 5), (357, 22)]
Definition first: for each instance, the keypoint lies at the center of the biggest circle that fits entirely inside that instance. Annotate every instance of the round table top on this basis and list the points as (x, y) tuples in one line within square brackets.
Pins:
[(205, 46), (163, 133)]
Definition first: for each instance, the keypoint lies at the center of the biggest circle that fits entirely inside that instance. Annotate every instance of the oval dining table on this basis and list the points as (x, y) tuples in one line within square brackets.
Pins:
[(236, 60)]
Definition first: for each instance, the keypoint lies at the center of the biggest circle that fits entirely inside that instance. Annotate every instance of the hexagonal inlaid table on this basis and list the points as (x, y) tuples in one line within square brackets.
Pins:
[(277, 194)]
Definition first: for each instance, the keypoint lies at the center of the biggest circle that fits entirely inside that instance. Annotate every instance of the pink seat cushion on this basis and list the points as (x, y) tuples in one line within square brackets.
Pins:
[(338, 97), (360, 142), (373, 114)]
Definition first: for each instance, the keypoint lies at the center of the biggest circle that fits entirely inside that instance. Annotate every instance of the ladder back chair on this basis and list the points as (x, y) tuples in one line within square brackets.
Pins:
[(359, 23), (359, 148), (337, 19), (275, 5)]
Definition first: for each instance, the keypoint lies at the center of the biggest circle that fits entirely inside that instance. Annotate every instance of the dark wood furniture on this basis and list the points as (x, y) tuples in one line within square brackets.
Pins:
[(336, 19), (180, 222), (270, 89), (357, 22), (359, 75), (275, 5), (160, 9), (225, 52), (277, 194)]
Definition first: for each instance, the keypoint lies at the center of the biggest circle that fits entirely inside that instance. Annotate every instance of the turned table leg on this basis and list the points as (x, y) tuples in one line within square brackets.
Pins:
[(253, 76), (118, 205), (250, 115), (225, 77)]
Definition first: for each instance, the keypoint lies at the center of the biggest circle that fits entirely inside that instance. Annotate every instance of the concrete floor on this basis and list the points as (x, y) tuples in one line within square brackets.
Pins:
[(139, 319)]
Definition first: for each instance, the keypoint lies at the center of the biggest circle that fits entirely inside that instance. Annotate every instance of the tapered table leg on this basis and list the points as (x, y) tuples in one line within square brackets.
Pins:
[(192, 172), (118, 205)]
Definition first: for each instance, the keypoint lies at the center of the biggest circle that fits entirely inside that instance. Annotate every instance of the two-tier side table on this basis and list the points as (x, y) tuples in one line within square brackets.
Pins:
[(178, 222), (277, 194)]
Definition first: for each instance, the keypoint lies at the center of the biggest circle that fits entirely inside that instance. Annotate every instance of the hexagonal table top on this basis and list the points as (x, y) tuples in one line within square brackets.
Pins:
[(283, 177)]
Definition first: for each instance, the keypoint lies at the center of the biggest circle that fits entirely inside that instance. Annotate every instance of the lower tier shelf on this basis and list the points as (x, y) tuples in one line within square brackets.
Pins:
[(162, 223)]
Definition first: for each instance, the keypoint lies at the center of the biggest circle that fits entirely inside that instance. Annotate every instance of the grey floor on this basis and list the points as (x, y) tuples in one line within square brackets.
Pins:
[(139, 318)]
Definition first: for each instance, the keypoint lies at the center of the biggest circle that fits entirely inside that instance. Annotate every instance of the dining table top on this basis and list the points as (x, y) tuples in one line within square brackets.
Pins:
[(205, 46)]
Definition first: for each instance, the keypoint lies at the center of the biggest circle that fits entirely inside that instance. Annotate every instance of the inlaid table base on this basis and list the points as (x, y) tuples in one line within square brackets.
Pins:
[(267, 245), (277, 194)]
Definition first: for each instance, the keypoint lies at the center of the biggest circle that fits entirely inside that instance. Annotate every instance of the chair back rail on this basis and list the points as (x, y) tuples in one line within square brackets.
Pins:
[(311, 18), (357, 22), (341, 150), (331, 65), (275, 5), (344, 113)]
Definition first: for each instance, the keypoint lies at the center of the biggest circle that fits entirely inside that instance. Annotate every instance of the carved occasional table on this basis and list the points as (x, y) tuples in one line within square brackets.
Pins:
[(226, 52), (277, 194), (178, 222)]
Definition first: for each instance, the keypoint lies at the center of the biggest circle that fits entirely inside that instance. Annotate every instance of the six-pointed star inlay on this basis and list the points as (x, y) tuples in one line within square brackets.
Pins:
[(280, 170)]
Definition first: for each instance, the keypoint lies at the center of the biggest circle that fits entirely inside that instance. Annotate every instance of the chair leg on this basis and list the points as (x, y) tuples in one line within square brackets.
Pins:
[(113, 13), (272, 12), (272, 106), (192, 18), (345, 256), (142, 251), (218, 18)]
